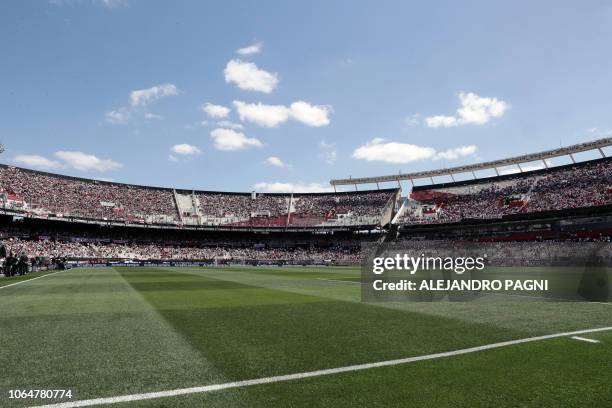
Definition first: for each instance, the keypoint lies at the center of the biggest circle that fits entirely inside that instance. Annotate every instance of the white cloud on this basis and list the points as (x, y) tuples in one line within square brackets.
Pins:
[(229, 139), (274, 115), (479, 110), (474, 110), (311, 115), (599, 132), (275, 161), (185, 149), (138, 99), (247, 76), (36, 161), (277, 187), (328, 152), (455, 153), (142, 97), (215, 111), (76, 160), (149, 115), (393, 152), (120, 116), (536, 166), (525, 167), (262, 115), (86, 162), (251, 49), (123, 115), (441, 121), (230, 125)]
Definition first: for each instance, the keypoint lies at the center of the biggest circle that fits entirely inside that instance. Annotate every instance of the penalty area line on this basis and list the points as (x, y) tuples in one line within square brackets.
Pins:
[(310, 374)]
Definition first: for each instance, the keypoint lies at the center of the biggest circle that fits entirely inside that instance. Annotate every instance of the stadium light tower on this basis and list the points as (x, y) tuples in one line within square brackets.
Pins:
[(1, 148)]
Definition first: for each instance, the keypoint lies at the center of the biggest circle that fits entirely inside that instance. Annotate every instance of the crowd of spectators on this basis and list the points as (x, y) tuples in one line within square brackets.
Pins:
[(293, 210), (369, 203), (90, 250), (241, 206), (586, 185), (72, 197), (44, 194), (520, 253), (516, 253)]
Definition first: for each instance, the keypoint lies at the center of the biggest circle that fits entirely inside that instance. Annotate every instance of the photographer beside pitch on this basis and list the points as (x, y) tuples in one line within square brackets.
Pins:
[(11, 265)]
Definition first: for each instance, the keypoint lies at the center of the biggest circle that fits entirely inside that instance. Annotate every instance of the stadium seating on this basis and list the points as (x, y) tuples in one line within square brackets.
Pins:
[(44, 194), (92, 250), (569, 187), (294, 210), (46, 197)]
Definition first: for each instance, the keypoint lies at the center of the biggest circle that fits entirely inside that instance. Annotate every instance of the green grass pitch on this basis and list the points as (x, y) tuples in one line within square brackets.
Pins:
[(108, 332)]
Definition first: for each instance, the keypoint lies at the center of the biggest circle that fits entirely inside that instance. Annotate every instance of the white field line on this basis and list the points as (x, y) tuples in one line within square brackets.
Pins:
[(585, 339), (339, 281), (30, 280), (309, 374)]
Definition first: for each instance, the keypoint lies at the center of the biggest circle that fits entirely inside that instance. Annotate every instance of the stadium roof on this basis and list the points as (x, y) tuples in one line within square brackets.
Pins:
[(563, 151)]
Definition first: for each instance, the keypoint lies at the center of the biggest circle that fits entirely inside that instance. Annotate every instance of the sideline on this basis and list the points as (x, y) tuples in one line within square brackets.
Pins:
[(338, 280), (310, 374), (30, 280), (585, 339)]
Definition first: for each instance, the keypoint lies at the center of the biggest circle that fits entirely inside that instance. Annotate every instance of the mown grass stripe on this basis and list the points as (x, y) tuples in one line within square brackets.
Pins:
[(310, 374)]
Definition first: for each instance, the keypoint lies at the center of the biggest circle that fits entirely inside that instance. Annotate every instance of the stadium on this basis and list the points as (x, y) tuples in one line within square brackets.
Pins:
[(231, 204), (256, 296)]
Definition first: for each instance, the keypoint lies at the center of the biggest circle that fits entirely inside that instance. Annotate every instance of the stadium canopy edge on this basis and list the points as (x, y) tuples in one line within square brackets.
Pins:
[(540, 156)]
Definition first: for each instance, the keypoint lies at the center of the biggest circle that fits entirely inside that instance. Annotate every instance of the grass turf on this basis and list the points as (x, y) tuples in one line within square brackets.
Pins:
[(106, 332), (5, 281)]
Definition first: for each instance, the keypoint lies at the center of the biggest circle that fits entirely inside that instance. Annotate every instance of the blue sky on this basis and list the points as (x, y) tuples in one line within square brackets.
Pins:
[(117, 89)]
